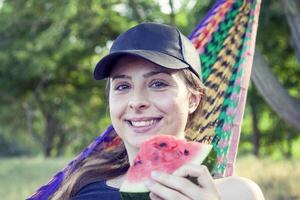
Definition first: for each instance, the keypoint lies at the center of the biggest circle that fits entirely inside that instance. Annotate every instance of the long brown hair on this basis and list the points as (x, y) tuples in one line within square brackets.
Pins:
[(110, 164)]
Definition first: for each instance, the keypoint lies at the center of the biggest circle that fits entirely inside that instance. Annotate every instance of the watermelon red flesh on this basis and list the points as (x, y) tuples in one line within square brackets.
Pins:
[(161, 153)]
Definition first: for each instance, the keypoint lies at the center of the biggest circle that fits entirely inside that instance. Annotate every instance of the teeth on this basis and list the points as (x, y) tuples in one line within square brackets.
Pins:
[(143, 123)]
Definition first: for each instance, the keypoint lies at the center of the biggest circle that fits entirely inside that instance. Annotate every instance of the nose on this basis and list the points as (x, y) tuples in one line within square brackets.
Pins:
[(139, 101)]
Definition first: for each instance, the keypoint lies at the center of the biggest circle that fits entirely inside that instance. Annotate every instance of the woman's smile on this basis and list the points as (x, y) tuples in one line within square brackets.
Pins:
[(143, 124), (146, 100)]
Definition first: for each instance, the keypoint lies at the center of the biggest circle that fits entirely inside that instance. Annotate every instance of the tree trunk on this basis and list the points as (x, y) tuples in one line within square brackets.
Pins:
[(136, 11), (255, 129), (286, 106), (289, 140), (172, 14), (50, 130), (292, 13), (55, 137), (29, 122), (60, 147)]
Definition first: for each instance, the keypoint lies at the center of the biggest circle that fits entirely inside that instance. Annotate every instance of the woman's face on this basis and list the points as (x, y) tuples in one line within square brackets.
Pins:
[(146, 100)]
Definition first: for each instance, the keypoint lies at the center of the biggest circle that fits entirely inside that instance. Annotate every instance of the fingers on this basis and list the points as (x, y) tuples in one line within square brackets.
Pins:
[(201, 172), (159, 191), (176, 186), (154, 196)]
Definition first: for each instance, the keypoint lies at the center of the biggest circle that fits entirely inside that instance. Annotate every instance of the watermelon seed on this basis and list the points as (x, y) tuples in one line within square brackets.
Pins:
[(186, 152), (163, 144), (138, 162)]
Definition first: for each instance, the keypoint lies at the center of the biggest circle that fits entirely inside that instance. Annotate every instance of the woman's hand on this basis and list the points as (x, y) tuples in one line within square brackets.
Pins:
[(176, 186)]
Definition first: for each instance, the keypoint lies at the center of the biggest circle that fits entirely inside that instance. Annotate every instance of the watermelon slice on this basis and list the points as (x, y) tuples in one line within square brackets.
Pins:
[(162, 153)]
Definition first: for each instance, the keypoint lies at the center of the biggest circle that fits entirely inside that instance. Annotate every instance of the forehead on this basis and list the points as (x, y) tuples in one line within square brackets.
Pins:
[(128, 64)]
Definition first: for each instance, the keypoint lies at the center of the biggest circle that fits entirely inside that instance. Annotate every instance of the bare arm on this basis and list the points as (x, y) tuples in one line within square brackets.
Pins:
[(236, 187)]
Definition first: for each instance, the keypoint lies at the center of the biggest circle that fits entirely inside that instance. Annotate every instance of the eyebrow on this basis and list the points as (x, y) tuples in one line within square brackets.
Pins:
[(121, 77), (147, 75)]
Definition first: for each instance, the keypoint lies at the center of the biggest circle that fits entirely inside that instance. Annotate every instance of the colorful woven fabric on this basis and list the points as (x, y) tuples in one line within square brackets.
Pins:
[(225, 40)]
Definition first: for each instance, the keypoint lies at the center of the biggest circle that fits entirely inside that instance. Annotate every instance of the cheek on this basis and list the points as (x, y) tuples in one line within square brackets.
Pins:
[(116, 107), (173, 104)]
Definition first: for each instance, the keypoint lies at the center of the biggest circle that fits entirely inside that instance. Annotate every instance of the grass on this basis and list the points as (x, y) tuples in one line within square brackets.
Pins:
[(279, 180), (19, 177)]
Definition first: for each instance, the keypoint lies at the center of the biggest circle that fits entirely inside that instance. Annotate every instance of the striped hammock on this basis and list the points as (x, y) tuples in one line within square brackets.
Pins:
[(225, 40)]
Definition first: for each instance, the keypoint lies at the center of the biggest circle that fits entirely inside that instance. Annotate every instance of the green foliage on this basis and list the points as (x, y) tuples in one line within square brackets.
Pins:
[(275, 41), (49, 101), (11, 147), (277, 138)]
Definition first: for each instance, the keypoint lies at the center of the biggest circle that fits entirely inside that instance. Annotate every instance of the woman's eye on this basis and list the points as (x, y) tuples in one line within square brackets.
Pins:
[(121, 87), (158, 84)]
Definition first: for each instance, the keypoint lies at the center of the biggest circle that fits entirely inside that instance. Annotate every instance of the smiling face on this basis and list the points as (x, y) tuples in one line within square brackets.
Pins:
[(146, 100)]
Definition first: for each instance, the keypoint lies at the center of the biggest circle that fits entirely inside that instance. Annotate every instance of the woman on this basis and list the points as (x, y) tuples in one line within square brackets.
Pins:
[(155, 87)]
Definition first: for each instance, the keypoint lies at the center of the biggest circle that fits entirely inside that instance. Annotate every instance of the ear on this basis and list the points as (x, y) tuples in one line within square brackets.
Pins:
[(194, 100)]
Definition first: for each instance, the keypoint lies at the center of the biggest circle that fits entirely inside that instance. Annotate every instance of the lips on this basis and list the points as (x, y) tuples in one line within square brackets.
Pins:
[(141, 125)]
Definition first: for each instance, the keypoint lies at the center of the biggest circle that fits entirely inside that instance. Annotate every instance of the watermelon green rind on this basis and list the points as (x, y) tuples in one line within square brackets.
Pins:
[(210, 161), (135, 196)]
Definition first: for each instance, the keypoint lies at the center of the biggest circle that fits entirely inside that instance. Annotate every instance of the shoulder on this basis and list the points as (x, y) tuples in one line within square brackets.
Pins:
[(236, 187)]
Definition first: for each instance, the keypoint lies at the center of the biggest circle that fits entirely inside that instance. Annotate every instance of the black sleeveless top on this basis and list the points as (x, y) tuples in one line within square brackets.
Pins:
[(97, 191)]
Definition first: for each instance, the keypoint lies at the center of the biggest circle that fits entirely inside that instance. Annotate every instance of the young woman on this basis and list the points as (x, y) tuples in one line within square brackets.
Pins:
[(155, 87)]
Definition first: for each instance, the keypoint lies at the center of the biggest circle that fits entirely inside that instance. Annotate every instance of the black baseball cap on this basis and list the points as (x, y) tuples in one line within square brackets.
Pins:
[(161, 44)]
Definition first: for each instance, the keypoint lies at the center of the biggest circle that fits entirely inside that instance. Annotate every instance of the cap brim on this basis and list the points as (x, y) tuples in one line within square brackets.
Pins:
[(104, 66)]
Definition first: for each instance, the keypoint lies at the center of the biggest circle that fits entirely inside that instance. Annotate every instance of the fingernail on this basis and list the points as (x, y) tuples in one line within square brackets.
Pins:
[(155, 174), (149, 183)]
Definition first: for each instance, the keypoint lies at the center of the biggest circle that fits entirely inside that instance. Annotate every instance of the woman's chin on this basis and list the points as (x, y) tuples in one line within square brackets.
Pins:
[(136, 142)]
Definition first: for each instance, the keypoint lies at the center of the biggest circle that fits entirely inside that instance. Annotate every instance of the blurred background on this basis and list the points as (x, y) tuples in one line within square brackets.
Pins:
[(51, 107)]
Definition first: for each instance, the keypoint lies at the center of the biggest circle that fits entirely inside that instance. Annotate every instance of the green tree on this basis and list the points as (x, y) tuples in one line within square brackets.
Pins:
[(47, 54), (50, 101)]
